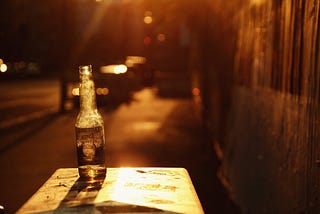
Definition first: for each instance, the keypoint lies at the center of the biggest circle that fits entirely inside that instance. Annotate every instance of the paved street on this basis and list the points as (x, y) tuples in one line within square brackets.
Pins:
[(149, 131), (22, 100)]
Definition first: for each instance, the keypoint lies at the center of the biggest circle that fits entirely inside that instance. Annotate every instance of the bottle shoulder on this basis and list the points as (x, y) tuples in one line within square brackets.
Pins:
[(89, 119)]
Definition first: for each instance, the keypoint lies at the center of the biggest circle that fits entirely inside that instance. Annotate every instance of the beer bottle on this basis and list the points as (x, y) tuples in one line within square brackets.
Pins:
[(90, 138)]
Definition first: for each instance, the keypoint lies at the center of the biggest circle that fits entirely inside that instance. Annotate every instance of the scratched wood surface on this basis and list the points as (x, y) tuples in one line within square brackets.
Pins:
[(125, 190)]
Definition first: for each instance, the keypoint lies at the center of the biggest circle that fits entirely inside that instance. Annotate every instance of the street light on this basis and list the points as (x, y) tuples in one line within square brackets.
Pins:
[(147, 17)]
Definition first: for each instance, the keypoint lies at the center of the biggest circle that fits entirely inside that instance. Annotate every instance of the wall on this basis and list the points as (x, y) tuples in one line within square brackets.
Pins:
[(261, 101)]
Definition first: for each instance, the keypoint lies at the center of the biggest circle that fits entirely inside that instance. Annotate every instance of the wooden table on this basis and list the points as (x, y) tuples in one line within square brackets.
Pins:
[(125, 190)]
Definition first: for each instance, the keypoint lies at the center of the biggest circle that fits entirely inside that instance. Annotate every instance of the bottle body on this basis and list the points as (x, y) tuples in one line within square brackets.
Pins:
[(90, 135), (91, 153)]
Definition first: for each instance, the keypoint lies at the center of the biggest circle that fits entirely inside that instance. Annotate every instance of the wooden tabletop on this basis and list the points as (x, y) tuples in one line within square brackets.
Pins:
[(125, 190)]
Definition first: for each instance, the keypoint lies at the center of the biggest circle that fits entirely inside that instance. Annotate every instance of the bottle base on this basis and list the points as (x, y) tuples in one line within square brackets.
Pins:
[(92, 174)]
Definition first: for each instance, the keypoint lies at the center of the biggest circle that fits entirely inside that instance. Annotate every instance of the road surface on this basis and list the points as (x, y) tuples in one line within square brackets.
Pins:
[(23, 100)]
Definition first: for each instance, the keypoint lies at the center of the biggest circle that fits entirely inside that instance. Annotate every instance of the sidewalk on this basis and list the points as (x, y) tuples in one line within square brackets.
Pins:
[(150, 131)]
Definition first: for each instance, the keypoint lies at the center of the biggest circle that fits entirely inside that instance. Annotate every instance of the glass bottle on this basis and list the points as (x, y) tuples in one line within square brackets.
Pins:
[(90, 137)]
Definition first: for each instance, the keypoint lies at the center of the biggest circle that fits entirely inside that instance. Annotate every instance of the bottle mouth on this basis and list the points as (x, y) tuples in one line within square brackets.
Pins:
[(85, 69)]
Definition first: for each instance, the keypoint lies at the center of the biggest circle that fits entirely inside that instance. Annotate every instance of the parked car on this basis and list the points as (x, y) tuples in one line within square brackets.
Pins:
[(142, 68)]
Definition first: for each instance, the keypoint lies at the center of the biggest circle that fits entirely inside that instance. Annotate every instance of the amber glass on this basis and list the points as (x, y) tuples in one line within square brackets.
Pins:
[(90, 135)]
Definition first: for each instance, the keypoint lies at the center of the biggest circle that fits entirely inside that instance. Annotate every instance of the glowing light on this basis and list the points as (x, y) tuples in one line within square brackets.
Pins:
[(161, 37), (1, 61), (132, 60), (102, 91), (196, 91), (147, 40), (114, 69), (147, 19), (99, 91), (3, 68), (120, 69), (105, 91), (107, 69), (129, 63), (75, 92)]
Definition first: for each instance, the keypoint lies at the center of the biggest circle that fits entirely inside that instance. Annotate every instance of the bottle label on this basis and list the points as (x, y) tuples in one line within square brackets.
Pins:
[(89, 140)]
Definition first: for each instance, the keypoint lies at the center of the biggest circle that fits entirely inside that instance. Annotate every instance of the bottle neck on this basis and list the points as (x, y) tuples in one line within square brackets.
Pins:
[(87, 90)]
